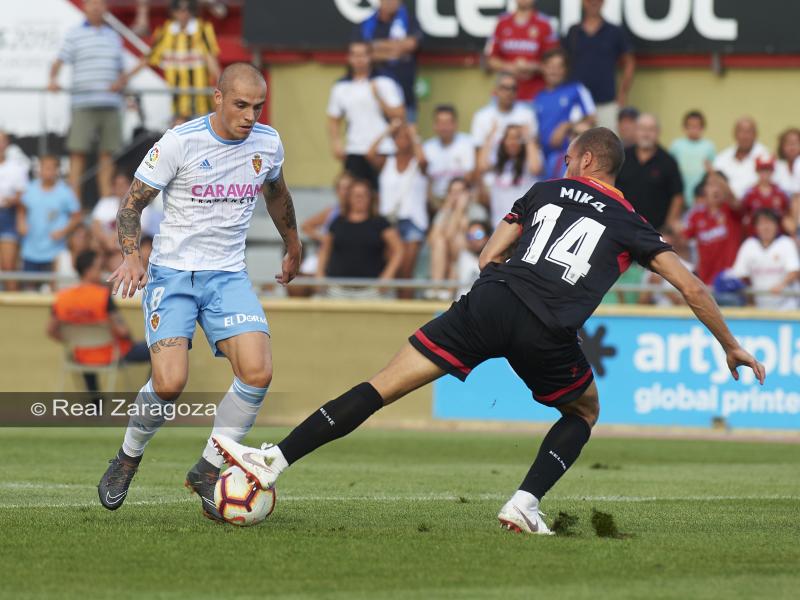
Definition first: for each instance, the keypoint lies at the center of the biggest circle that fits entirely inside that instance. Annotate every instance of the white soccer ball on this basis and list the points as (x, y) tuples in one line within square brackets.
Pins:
[(240, 501)]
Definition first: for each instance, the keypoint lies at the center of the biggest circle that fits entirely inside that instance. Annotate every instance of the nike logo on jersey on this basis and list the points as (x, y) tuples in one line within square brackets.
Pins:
[(205, 164)]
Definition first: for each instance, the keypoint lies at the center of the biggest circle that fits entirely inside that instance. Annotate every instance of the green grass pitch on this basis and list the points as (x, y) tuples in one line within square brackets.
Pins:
[(388, 515)]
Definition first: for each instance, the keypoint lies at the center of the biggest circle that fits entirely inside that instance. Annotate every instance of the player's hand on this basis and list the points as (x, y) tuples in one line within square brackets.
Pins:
[(290, 265), (53, 86), (128, 277), (739, 357), (58, 234)]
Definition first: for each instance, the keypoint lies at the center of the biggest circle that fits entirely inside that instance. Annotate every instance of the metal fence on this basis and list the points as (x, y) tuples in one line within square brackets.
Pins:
[(325, 283)]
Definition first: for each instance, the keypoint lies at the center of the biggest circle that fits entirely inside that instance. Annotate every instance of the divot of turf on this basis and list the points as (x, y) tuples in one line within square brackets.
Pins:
[(598, 466), (423, 528), (605, 527), (564, 523)]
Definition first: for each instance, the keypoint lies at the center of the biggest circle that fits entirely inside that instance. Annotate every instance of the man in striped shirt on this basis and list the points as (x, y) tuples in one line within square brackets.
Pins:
[(94, 51)]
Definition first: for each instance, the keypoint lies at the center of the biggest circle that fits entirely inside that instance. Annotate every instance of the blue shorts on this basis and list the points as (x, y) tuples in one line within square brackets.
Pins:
[(409, 232), (8, 225), (223, 302)]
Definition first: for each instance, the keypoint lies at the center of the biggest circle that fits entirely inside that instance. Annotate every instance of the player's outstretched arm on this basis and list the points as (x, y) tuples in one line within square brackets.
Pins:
[(502, 239), (130, 275), (281, 210), (669, 266)]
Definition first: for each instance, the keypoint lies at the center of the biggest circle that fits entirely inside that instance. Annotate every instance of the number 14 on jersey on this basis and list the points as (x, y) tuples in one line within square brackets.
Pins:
[(571, 250)]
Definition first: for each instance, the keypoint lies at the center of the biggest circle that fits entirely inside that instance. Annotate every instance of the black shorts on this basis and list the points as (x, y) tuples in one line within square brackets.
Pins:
[(490, 322)]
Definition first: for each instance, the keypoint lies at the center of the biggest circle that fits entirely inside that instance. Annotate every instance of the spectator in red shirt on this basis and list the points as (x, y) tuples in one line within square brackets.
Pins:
[(716, 225), (517, 45), (767, 195)]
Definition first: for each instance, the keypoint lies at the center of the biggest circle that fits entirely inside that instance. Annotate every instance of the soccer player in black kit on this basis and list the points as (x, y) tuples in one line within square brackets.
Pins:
[(571, 240)]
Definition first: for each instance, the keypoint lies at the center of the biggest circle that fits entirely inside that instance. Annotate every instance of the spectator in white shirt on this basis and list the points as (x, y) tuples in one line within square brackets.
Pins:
[(365, 102), (403, 190), (491, 121), (510, 173), (770, 262), (787, 168), (738, 162), (449, 153)]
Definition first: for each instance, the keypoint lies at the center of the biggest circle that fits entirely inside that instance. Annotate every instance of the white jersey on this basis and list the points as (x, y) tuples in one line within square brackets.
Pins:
[(210, 187), (767, 267), (446, 162), (490, 118)]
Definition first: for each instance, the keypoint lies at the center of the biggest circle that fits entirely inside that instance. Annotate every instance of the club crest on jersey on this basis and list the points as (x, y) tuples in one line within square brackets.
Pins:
[(155, 321), (257, 163)]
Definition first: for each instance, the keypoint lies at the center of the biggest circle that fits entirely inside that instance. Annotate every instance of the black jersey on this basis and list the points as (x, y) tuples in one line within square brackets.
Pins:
[(578, 236)]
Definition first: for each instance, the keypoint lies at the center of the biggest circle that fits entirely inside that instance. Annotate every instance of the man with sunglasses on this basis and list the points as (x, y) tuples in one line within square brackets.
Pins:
[(503, 110)]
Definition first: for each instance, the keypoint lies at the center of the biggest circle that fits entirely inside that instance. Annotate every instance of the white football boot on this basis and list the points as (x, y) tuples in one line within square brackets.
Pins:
[(261, 466), (522, 515)]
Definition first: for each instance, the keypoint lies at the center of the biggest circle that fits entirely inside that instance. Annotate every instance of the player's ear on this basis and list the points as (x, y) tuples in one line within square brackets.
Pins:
[(217, 97), (586, 160)]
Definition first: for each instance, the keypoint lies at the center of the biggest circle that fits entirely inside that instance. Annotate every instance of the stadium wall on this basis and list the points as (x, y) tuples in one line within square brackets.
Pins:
[(299, 96), (653, 366)]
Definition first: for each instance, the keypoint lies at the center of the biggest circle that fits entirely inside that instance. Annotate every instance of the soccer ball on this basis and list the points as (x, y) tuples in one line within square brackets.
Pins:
[(241, 502)]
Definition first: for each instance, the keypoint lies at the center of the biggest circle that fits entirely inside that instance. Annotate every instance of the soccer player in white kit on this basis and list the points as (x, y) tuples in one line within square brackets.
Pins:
[(211, 172)]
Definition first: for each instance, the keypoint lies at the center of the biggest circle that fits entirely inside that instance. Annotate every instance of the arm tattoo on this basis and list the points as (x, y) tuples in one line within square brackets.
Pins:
[(280, 206), (129, 225)]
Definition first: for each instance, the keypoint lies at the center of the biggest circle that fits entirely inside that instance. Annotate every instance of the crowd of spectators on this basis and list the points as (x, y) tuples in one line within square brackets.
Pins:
[(444, 195), (413, 208)]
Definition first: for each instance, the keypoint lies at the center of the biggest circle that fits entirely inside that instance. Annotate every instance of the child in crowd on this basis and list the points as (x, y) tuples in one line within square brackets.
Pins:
[(50, 213), (767, 195), (693, 153), (770, 262), (715, 224)]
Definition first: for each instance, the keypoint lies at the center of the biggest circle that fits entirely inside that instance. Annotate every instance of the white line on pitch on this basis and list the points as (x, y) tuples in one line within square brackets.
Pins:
[(428, 498)]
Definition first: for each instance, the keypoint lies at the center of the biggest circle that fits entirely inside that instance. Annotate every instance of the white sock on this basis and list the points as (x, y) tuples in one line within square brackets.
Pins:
[(144, 423), (525, 500), (235, 416)]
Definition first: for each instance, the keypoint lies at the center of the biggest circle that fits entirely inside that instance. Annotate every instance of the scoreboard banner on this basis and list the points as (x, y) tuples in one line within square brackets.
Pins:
[(459, 26), (653, 371)]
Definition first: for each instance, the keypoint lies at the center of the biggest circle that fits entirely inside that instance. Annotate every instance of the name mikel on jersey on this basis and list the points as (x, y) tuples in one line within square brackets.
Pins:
[(581, 198)]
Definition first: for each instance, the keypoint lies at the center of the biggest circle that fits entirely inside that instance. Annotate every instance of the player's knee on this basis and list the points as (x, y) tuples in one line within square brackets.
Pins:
[(257, 376), (587, 407), (168, 386)]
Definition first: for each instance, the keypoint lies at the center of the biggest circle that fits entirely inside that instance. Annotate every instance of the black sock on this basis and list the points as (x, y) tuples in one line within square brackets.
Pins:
[(559, 450), (333, 420)]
